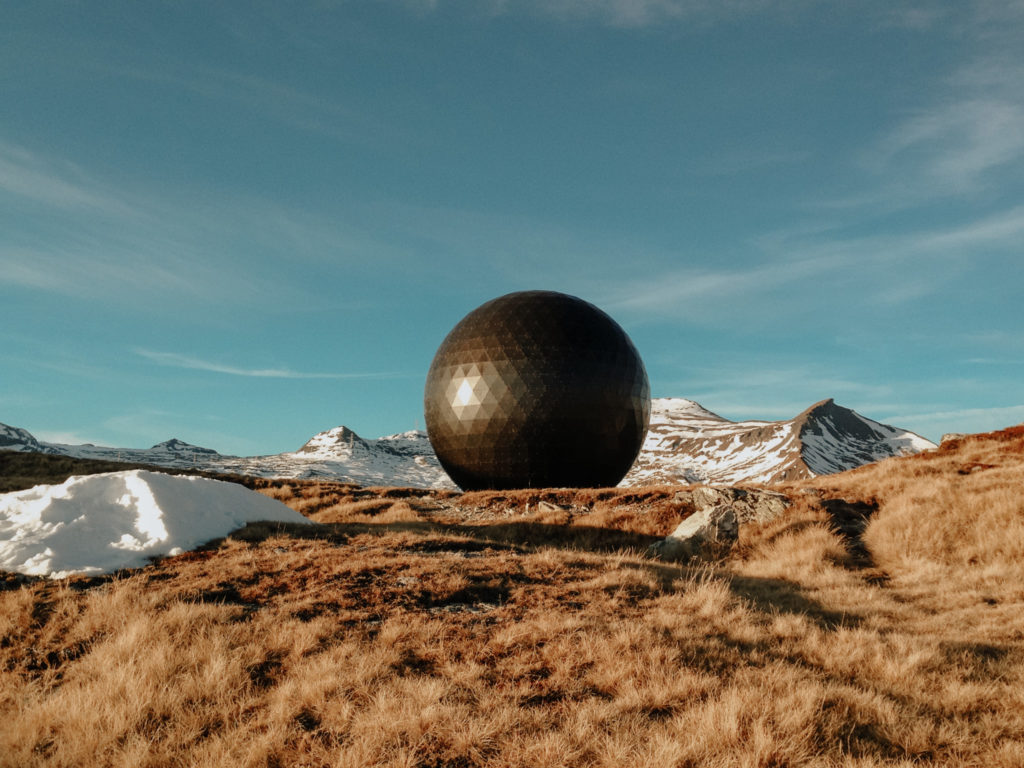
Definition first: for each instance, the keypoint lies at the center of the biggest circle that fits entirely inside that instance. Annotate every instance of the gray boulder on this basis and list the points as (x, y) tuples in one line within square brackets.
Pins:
[(714, 527)]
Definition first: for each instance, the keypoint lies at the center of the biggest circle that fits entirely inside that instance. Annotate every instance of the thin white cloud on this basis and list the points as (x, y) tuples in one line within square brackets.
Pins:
[(144, 427), (925, 260), (175, 360), (983, 418), (646, 13), (750, 388), (272, 99), (965, 135), (919, 18), (1002, 229), (617, 13), (27, 175), (993, 337), (743, 160), (951, 148), (96, 244), (694, 290), (88, 272), (164, 248), (62, 438)]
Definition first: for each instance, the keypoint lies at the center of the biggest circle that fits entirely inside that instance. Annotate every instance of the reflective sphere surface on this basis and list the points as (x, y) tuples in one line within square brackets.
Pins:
[(537, 389)]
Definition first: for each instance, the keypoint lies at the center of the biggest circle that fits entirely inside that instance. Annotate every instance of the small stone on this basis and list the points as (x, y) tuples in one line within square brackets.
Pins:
[(547, 506)]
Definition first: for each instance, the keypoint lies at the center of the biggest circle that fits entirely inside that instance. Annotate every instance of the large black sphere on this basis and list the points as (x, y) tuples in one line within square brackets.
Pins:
[(537, 389)]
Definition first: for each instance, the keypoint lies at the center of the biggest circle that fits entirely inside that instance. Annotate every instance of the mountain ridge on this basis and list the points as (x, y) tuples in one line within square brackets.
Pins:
[(686, 444)]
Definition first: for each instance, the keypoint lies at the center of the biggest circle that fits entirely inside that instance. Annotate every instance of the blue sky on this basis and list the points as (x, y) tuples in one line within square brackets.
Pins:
[(242, 223)]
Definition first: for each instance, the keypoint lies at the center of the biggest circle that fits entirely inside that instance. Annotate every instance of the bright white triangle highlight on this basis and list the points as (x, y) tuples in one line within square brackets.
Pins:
[(464, 394)]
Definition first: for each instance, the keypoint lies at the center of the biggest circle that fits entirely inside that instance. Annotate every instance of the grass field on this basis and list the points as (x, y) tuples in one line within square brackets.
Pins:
[(878, 622)]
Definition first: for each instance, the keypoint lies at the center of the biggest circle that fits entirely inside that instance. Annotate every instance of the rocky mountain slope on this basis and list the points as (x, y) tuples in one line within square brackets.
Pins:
[(17, 439), (686, 444)]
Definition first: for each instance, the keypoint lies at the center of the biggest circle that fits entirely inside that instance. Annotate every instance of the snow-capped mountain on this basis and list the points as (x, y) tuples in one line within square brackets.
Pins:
[(170, 453), (686, 444), (340, 454), (16, 439), (405, 459)]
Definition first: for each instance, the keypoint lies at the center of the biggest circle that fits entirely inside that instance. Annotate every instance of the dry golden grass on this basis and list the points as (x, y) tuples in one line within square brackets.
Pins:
[(969, 495), (526, 629)]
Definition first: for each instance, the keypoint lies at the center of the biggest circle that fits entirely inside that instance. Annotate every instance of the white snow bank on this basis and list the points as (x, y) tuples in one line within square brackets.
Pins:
[(100, 523)]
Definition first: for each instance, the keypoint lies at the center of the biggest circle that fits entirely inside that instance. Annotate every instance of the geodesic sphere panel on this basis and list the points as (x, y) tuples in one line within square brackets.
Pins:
[(537, 389)]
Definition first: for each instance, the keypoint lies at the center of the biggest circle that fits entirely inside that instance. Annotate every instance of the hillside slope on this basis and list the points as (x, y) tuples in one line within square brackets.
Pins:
[(417, 627)]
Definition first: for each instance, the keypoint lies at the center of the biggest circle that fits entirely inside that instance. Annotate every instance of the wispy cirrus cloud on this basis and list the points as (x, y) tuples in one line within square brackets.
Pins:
[(959, 135), (743, 160), (1001, 229), (888, 269), (99, 241), (155, 245), (993, 340), (963, 136), (27, 175), (971, 419), (694, 290), (176, 360), (146, 426), (61, 437), (617, 13), (635, 13), (909, 17), (279, 101), (88, 270), (950, 148)]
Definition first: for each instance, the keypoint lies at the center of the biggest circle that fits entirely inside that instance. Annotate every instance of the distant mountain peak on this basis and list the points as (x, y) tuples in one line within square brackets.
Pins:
[(826, 415), (332, 443), (681, 407), (18, 439), (823, 406), (834, 439), (687, 443), (174, 445)]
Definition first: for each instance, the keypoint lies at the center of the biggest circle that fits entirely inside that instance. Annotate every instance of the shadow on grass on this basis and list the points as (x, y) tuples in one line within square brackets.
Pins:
[(517, 536), (766, 595), (849, 519), (781, 596)]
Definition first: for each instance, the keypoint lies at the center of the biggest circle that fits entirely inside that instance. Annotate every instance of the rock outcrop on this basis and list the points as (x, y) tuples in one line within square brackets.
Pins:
[(714, 527)]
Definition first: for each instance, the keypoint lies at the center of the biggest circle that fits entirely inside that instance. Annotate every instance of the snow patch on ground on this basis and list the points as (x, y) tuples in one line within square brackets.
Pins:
[(102, 523)]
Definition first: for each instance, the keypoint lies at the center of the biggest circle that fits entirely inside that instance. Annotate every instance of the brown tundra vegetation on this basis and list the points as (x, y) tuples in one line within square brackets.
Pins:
[(879, 622)]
